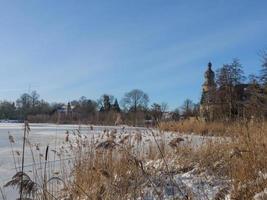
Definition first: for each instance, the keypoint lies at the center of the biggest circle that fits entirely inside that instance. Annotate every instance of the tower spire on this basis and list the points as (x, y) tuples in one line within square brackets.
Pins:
[(209, 77), (209, 65), (208, 94)]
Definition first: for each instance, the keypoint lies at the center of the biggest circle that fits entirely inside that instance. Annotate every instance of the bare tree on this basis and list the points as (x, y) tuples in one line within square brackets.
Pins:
[(229, 80), (188, 108), (35, 98), (134, 100)]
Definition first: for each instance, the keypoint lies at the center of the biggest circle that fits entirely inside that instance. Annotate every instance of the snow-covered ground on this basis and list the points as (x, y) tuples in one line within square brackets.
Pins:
[(41, 135), (53, 135)]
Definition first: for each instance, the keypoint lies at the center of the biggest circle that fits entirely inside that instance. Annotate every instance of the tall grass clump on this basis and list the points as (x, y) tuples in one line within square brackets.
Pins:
[(33, 180), (240, 156), (112, 170)]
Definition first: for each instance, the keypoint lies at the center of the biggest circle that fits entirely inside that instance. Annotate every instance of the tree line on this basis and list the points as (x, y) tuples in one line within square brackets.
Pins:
[(134, 109)]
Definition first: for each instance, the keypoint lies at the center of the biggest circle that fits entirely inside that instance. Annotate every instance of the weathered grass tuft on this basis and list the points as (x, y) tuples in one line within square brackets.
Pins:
[(240, 157), (24, 183)]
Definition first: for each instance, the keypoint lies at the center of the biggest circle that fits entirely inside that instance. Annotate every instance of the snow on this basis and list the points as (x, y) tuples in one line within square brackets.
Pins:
[(261, 195), (202, 186)]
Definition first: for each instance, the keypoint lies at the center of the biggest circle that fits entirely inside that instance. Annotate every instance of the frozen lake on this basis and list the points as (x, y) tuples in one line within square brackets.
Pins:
[(54, 136), (48, 134), (41, 134)]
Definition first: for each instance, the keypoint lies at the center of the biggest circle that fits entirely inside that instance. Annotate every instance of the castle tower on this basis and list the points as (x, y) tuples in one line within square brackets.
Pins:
[(209, 83), (207, 102)]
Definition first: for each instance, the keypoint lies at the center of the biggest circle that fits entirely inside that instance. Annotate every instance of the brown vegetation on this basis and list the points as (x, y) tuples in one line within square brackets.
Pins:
[(217, 128), (242, 159), (120, 165)]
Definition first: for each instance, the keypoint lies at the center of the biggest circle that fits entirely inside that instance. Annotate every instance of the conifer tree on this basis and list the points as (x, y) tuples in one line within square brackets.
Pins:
[(116, 106)]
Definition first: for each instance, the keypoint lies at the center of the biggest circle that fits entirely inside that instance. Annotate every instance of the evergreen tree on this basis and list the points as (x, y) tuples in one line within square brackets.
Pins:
[(7, 110), (116, 106)]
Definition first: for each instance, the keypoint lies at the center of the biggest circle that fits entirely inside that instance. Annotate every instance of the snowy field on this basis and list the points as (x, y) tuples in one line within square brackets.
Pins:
[(54, 135), (41, 135)]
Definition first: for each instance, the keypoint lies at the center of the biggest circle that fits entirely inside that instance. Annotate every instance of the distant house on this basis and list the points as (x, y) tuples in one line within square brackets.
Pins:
[(65, 109), (62, 109), (167, 115)]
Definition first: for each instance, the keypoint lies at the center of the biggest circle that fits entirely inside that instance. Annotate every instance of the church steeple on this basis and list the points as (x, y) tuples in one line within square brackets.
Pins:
[(209, 79), (208, 94), (209, 65)]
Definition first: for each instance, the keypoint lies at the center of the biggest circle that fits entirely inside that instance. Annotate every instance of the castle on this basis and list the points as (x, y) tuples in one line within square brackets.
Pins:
[(213, 100)]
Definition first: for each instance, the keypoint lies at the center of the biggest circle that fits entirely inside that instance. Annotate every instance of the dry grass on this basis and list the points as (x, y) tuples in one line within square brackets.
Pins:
[(113, 165), (242, 159), (104, 177), (211, 128), (248, 164), (113, 172), (196, 126)]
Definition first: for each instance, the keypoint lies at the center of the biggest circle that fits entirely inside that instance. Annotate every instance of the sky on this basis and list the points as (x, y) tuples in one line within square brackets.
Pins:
[(66, 49)]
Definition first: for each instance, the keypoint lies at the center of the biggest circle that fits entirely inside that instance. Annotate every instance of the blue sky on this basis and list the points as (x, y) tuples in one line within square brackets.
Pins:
[(66, 49)]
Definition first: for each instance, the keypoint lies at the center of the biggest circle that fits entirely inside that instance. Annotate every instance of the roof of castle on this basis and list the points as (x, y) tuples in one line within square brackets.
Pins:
[(209, 76), (209, 70)]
